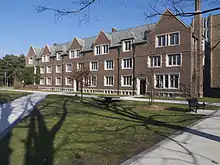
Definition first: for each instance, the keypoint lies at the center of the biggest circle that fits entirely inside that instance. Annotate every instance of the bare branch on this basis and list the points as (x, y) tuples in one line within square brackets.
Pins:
[(85, 4), (182, 13)]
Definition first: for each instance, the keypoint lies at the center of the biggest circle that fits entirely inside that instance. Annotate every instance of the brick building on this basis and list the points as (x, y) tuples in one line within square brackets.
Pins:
[(161, 57)]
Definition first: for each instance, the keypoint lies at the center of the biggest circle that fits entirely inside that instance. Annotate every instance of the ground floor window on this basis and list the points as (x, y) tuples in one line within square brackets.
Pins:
[(68, 81), (108, 80), (167, 81), (126, 80), (49, 81), (93, 81), (41, 81), (58, 81)]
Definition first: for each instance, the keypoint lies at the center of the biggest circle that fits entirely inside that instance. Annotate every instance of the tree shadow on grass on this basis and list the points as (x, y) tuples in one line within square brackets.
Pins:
[(39, 145)]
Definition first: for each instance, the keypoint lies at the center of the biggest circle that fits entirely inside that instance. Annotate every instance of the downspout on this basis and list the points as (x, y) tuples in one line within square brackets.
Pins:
[(133, 63), (118, 74)]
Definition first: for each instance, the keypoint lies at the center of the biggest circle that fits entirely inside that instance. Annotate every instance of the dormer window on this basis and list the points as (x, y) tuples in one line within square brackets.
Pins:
[(30, 61), (127, 45), (97, 50), (101, 49), (46, 58), (74, 54), (105, 49), (58, 55)]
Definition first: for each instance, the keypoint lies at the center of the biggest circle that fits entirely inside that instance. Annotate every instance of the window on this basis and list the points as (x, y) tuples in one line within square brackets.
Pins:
[(154, 61), (42, 70), (41, 81), (69, 68), (58, 81), (161, 40), (80, 66), (58, 69), (68, 80), (35, 70), (58, 55), (168, 39), (169, 81), (30, 61), (44, 59), (94, 66), (126, 80), (174, 81), (174, 38), (49, 80), (127, 45), (74, 54), (93, 81), (47, 58), (173, 60), (105, 49), (159, 81), (49, 69), (109, 80), (127, 63), (109, 65), (97, 50)]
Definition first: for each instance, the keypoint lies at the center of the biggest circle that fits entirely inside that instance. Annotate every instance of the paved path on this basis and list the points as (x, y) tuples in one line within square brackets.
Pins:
[(131, 98), (11, 113), (199, 145)]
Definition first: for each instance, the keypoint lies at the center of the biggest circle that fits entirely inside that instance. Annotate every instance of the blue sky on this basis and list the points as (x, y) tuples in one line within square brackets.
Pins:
[(21, 26)]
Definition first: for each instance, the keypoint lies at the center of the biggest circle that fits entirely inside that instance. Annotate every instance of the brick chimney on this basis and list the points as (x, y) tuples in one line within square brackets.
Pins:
[(114, 29)]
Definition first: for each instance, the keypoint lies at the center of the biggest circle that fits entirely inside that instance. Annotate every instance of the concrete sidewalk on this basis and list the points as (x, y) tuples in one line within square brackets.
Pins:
[(11, 113), (128, 98), (199, 145)]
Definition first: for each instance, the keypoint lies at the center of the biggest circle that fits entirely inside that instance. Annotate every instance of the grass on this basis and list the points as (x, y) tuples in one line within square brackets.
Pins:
[(7, 96), (64, 131), (205, 99)]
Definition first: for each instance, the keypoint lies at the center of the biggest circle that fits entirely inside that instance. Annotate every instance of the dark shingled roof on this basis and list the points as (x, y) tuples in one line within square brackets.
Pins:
[(138, 34)]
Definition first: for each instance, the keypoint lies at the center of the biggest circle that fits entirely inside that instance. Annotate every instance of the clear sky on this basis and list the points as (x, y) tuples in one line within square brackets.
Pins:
[(21, 26)]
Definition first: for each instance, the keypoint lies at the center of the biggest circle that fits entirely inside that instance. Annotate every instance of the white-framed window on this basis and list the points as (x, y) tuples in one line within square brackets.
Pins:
[(69, 68), (42, 70), (74, 54), (58, 56), (127, 45), (168, 39), (68, 81), (109, 65), (35, 70), (127, 63), (93, 81), (80, 66), (167, 81), (154, 61), (98, 50), (30, 61), (42, 81), (161, 40), (105, 49), (174, 81), (126, 80), (101, 49), (47, 58), (108, 80), (58, 68), (49, 69), (49, 81), (44, 58), (93, 66), (174, 38), (174, 59), (58, 81)]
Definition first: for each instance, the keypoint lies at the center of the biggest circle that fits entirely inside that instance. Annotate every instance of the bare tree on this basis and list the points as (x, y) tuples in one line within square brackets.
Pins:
[(82, 76)]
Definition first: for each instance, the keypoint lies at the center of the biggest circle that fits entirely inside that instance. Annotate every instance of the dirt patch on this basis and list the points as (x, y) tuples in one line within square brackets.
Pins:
[(154, 107)]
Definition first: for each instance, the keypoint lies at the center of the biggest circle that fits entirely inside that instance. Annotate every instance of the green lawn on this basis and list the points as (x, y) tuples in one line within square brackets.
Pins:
[(205, 99), (64, 131), (7, 96)]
